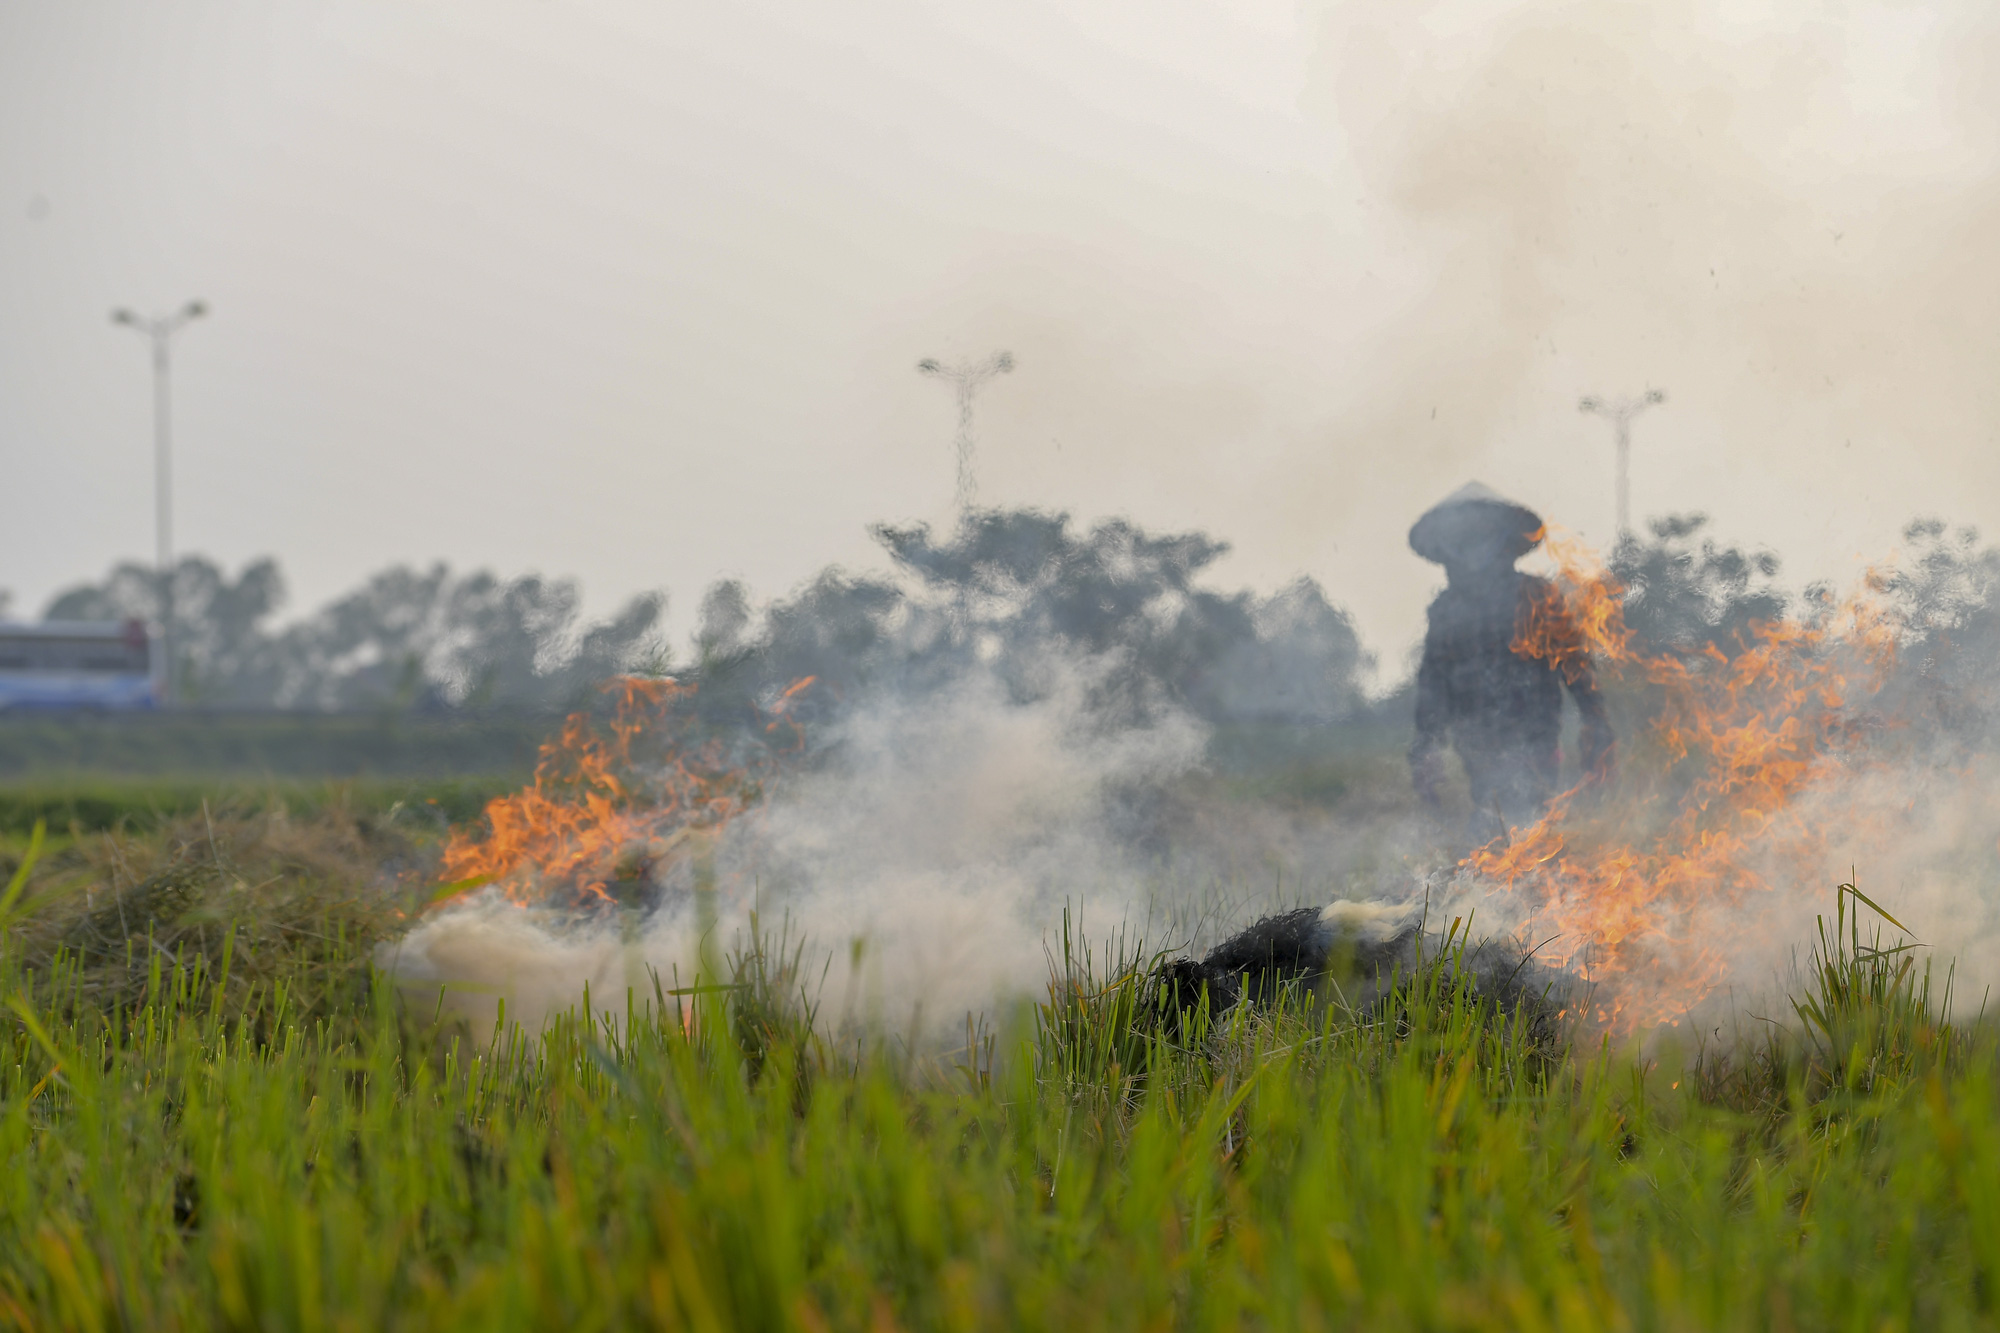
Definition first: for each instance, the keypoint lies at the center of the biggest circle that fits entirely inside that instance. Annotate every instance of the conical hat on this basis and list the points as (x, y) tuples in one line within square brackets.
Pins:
[(1475, 515)]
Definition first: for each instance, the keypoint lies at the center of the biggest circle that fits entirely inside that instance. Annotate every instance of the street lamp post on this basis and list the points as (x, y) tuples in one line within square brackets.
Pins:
[(966, 379), (160, 331), (1620, 414)]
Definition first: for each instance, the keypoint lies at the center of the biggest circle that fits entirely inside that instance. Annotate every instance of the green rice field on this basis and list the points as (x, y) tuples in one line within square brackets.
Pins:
[(215, 1114)]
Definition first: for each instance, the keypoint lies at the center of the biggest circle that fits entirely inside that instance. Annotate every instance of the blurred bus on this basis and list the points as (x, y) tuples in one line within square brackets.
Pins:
[(76, 664)]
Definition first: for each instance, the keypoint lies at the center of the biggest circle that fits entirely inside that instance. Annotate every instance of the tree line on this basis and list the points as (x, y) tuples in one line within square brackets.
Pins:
[(1008, 591), (1013, 592)]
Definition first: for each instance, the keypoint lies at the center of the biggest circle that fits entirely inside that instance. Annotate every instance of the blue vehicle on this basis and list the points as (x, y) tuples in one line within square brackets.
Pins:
[(77, 664)]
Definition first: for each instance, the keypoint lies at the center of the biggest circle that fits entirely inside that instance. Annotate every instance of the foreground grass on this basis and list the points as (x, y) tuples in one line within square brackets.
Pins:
[(209, 1127)]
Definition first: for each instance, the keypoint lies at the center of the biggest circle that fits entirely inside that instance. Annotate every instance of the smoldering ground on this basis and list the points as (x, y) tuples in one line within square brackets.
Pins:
[(1919, 838), (922, 861), (930, 858), (1768, 759), (927, 864), (1018, 727), (927, 853)]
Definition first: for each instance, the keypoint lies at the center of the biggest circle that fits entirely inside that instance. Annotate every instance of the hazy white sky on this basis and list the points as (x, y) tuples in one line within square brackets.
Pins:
[(634, 291)]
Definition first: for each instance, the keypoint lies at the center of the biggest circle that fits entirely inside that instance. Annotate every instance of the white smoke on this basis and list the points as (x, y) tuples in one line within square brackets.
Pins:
[(1918, 834), (1922, 839), (925, 865)]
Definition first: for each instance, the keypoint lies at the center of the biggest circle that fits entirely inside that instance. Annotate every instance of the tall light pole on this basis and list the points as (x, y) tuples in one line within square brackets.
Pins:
[(160, 331), (966, 379), (1620, 414)]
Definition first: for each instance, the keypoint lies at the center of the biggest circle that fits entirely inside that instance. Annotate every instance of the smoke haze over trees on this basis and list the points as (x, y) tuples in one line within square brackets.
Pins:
[(1682, 599), (1946, 595), (410, 638), (1011, 591), (1008, 592)]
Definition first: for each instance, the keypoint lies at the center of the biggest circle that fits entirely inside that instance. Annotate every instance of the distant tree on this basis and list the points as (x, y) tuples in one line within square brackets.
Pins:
[(1015, 592), (848, 633), (1946, 585), (219, 624), (726, 620), (407, 638), (1010, 586), (1682, 598), (431, 638), (1946, 599), (1304, 662), (1943, 597)]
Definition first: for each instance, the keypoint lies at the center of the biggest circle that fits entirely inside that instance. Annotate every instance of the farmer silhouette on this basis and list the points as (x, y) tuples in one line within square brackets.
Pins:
[(1500, 649)]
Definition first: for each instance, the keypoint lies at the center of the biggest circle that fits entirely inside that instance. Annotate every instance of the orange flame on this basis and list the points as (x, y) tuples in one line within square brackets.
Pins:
[(610, 803), (1705, 815)]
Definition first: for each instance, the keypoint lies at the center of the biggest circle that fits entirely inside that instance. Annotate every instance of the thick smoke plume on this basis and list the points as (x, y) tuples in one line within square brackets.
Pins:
[(924, 862), (927, 848), (1767, 760)]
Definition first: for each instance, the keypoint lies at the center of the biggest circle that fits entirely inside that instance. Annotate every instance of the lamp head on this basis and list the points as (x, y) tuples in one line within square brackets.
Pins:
[(123, 317)]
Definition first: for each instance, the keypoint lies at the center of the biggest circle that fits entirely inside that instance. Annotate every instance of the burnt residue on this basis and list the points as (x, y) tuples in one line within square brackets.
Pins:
[(187, 1202), (1350, 954), (1296, 948)]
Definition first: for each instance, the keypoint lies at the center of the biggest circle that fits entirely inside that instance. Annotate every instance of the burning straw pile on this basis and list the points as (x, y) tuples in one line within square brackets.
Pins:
[(1747, 769), (1742, 774), (618, 805), (1643, 896)]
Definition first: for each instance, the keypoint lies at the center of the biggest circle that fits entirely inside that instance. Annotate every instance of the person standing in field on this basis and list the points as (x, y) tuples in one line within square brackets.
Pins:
[(1500, 650)]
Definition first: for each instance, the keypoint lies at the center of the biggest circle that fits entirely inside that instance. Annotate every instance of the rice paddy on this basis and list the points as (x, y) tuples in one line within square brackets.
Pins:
[(214, 1113)]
